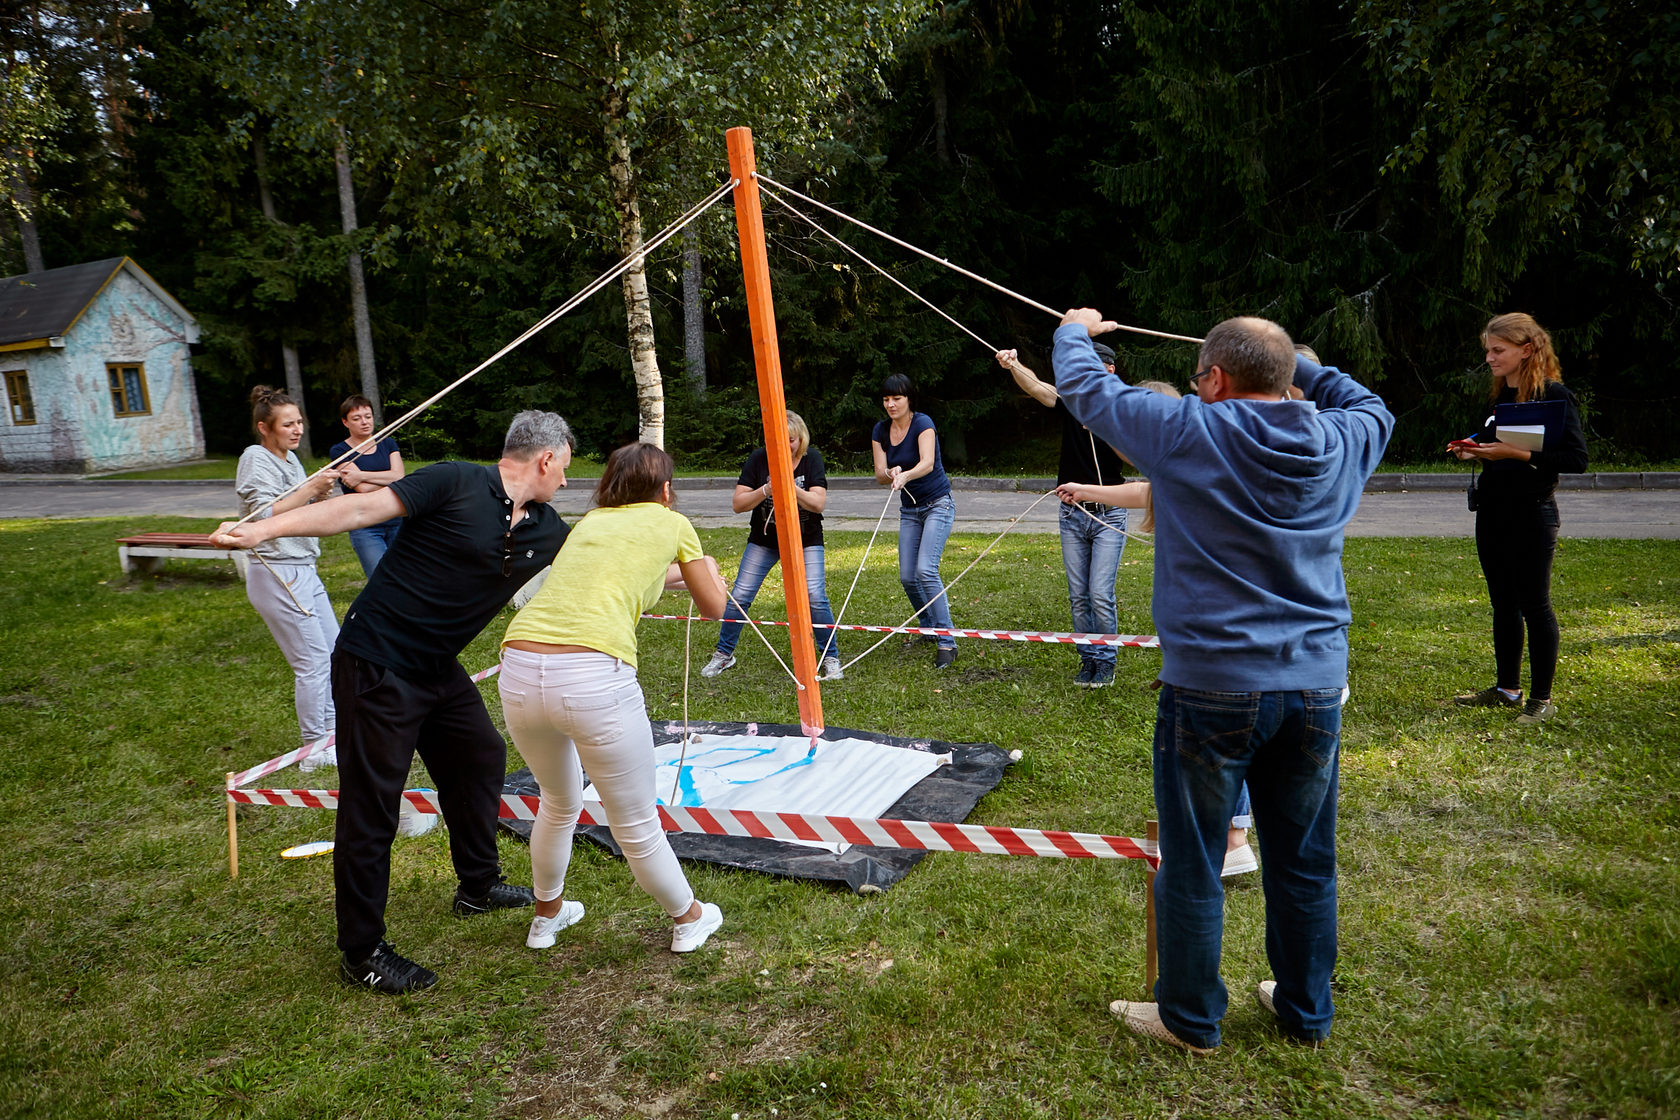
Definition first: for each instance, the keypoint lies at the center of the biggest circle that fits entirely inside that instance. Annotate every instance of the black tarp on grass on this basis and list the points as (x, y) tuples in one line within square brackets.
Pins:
[(948, 794)]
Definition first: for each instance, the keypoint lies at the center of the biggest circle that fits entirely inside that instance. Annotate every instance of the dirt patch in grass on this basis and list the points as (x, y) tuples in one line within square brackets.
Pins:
[(641, 1038)]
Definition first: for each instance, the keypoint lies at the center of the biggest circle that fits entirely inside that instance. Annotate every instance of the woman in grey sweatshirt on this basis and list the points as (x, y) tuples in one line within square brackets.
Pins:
[(283, 585)]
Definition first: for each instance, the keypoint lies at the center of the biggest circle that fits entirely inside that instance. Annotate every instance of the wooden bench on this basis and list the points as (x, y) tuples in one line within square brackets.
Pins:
[(149, 552)]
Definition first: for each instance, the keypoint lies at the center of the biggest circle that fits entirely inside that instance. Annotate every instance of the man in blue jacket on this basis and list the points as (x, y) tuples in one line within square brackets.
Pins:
[(1252, 493)]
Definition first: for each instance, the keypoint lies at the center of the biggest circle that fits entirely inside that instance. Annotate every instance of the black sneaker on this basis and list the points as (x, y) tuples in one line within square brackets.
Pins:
[(500, 896), (1083, 680), (944, 659), (1102, 676), (386, 970)]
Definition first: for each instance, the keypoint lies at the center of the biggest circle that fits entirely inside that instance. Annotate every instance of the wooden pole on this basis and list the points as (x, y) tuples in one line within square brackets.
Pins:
[(233, 833), (761, 313), (1151, 832)]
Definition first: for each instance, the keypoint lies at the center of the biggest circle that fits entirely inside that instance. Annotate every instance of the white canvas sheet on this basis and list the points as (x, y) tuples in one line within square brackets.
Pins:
[(842, 778)]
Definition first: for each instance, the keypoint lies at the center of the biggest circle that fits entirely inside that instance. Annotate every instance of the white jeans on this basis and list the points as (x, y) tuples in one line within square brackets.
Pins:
[(563, 709), (306, 641)]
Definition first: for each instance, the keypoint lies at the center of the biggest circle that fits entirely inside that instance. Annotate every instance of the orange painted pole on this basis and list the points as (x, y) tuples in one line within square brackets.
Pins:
[(761, 313)]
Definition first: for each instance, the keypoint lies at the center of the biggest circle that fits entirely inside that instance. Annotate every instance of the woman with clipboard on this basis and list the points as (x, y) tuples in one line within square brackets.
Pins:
[(1533, 436)]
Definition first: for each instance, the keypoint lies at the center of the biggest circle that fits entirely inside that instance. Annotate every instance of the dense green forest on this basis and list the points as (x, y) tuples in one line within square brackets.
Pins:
[(1377, 176)]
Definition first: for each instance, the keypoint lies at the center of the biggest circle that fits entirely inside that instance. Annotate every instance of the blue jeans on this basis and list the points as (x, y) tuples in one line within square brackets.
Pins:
[(370, 543), (922, 533), (756, 563), (1091, 555), (1286, 745)]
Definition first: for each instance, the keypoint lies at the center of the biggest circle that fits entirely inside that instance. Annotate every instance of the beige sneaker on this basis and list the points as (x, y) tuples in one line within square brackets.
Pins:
[(1536, 711), (1145, 1019)]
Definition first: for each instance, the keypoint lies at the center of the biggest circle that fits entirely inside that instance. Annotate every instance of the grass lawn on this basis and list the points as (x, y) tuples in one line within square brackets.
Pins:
[(1510, 936)]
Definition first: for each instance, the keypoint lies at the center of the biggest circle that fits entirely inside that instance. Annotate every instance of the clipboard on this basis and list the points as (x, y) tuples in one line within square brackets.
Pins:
[(1530, 425)]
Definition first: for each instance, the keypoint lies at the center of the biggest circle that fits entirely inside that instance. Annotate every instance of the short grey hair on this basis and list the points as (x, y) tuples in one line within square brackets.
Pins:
[(533, 432), (1256, 353)]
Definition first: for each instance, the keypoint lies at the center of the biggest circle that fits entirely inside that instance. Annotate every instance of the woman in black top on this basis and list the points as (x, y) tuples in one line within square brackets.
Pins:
[(1517, 515)]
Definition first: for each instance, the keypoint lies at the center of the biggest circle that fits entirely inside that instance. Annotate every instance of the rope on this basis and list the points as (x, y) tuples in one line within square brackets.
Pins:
[(1123, 532), (788, 206), (791, 675), (945, 590), (307, 613), (763, 178), (594, 286), (841, 617)]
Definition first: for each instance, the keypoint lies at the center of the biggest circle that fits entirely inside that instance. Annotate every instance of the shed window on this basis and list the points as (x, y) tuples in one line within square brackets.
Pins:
[(128, 390), (17, 396)]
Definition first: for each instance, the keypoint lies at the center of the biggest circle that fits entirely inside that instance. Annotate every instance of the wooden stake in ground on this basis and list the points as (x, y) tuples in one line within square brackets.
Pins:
[(761, 314), (1151, 833), (233, 833)]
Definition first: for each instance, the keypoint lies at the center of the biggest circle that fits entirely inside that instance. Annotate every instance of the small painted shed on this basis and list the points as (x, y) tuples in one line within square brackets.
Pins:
[(97, 371)]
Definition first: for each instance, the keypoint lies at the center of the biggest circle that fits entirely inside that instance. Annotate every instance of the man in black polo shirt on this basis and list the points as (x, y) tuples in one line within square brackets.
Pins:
[(471, 536), (1093, 534)]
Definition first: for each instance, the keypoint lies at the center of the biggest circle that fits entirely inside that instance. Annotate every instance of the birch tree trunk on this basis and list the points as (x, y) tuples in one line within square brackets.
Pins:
[(288, 352), (358, 283), (638, 310), (30, 238), (694, 315)]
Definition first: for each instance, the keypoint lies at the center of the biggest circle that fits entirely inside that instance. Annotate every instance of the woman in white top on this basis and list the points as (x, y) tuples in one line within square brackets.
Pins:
[(282, 584)]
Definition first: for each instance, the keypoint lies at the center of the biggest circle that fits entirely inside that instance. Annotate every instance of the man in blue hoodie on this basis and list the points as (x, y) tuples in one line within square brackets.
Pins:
[(1252, 493)]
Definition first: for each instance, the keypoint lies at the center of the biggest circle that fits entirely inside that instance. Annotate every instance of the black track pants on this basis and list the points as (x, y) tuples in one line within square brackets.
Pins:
[(383, 719)]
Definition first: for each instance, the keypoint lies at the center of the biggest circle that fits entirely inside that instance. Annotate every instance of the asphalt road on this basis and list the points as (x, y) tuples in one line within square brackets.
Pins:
[(1625, 514)]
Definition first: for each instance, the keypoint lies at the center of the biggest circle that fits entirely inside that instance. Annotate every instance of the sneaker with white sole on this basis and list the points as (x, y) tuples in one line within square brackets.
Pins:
[(1263, 995), (386, 970), (320, 760), (689, 936), (1145, 1019), (1536, 711), (1240, 861), (718, 663), (543, 929), (831, 670)]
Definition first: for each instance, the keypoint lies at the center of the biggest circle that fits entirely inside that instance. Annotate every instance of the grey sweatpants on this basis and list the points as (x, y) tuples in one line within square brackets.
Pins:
[(306, 641)]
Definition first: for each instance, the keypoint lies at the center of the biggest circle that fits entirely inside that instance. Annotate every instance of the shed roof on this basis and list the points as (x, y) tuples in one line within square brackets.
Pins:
[(40, 306)]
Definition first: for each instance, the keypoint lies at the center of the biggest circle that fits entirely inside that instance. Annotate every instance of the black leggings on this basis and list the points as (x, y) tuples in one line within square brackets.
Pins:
[(1515, 544)]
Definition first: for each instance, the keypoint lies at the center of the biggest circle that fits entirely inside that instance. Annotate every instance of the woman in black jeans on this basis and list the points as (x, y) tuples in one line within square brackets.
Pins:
[(1517, 515)]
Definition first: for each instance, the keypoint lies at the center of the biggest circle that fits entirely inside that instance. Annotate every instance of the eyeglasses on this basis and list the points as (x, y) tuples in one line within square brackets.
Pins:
[(507, 554), (1199, 374)]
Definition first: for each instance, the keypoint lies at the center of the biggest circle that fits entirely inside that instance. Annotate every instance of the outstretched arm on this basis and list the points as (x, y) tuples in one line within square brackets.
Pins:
[(1045, 394), (323, 519)]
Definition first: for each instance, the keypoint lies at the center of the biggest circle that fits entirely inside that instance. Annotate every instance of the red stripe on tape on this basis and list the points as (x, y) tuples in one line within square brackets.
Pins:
[(799, 826), (955, 836)]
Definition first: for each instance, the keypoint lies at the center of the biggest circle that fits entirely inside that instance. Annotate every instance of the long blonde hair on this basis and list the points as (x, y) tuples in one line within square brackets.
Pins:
[(1147, 525), (1519, 329)]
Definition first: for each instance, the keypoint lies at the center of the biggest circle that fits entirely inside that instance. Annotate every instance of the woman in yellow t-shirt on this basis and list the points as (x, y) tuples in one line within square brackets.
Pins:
[(570, 695)]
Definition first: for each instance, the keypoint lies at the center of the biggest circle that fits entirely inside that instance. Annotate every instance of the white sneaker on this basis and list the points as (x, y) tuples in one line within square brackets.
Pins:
[(718, 663), (1263, 995), (320, 760), (689, 936), (543, 929), (1240, 861), (830, 670), (1145, 1019)]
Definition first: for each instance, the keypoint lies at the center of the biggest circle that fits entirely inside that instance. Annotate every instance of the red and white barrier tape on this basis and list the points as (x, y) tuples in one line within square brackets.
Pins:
[(1137, 641), (932, 836), (280, 762)]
